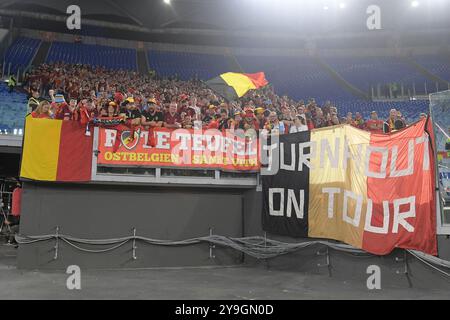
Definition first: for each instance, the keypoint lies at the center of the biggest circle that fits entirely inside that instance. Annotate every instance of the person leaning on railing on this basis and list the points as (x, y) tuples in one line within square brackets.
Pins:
[(34, 100), (151, 119), (374, 124)]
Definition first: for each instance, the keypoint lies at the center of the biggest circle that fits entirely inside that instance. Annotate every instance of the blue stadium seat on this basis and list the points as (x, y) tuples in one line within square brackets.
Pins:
[(298, 78), (20, 54), (365, 72), (13, 108), (410, 109), (94, 55), (188, 65), (438, 65)]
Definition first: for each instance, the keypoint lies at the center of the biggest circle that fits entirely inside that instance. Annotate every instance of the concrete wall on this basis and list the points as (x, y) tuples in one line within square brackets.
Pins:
[(96, 212)]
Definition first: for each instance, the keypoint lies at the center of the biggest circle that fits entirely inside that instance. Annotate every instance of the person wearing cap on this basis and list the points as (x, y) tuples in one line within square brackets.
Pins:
[(224, 121), (374, 124), (109, 112), (236, 122), (209, 113), (250, 121), (131, 111), (274, 125), (62, 111), (151, 119), (118, 97), (132, 115), (183, 97), (110, 118), (259, 113), (112, 109), (422, 116), (249, 107)]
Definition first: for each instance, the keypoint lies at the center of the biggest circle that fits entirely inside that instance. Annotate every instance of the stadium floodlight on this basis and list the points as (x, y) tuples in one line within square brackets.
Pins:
[(325, 8), (342, 5), (415, 4), (166, 1)]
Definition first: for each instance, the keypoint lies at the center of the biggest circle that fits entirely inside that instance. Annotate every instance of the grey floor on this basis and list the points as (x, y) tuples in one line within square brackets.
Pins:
[(191, 283)]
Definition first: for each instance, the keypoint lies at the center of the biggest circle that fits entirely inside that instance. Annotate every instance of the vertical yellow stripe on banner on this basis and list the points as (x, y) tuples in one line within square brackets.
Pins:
[(333, 178), (41, 149)]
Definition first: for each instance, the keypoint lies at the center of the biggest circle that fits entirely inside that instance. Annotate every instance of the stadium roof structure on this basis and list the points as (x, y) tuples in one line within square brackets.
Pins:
[(230, 22)]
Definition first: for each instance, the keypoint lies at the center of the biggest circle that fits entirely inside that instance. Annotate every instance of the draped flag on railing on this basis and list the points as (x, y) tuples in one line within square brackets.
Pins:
[(56, 150), (373, 191)]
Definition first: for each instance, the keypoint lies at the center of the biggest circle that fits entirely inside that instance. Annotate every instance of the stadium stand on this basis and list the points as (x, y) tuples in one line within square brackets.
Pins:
[(94, 55), (13, 108), (365, 72), (297, 77), (20, 54), (188, 65), (410, 109), (439, 65)]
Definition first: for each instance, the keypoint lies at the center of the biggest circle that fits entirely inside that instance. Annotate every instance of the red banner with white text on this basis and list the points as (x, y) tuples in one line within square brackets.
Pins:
[(203, 149)]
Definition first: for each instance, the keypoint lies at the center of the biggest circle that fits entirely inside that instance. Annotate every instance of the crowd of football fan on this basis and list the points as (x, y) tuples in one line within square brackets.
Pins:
[(83, 93)]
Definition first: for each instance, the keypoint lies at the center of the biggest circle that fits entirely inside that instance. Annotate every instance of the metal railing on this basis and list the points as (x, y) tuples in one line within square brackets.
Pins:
[(385, 91)]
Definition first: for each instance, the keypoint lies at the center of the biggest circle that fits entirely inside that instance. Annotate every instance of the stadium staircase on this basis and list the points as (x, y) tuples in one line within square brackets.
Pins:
[(435, 68), (41, 54), (427, 73), (19, 55), (142, 62), (341, 81)]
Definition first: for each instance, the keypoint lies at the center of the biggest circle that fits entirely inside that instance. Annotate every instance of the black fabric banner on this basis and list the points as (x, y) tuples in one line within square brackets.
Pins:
[(286, 193)]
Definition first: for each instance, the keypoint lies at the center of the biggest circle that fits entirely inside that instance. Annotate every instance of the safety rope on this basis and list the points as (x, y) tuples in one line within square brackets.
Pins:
[(255, 246)]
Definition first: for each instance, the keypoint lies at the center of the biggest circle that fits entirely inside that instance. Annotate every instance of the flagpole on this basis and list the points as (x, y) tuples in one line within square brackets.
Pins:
[(226, 99)]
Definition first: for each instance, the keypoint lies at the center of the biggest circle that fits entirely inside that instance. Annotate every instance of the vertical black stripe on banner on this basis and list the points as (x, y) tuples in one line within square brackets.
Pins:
[(289, 186), (219, 86)]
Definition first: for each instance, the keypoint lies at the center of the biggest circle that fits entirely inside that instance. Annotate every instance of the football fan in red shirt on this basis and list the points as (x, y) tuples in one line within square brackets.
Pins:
[(42, 111), (171, 118), (374, 124)]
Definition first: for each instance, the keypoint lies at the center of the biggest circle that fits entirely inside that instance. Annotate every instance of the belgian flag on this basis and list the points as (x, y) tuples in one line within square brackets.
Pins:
[(233, 85), (56, 150), (372, 191)]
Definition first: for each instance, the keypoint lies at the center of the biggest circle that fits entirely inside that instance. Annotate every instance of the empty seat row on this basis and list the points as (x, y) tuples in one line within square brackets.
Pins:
[(19, 54), (188, 65), (94, 55)]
